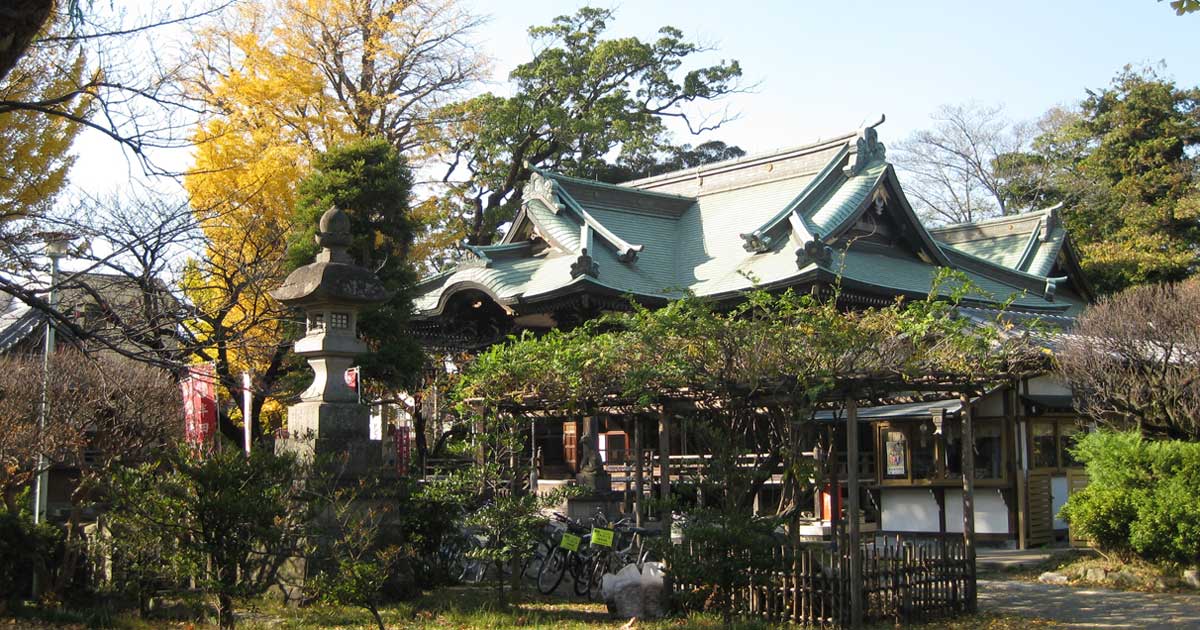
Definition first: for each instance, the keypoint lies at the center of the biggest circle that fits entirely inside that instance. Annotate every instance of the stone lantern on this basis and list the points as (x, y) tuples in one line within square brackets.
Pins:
[(331, 291)]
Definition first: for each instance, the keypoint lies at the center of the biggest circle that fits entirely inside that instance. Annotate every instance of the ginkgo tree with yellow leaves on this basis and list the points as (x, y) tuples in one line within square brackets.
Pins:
[(283, 82)]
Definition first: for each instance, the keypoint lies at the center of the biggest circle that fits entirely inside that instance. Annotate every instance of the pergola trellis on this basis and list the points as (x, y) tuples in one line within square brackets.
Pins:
[(781, 352)]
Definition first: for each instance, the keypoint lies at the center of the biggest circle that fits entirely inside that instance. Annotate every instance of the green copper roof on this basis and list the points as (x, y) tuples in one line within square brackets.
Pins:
[(1002, 250), (771, 220)]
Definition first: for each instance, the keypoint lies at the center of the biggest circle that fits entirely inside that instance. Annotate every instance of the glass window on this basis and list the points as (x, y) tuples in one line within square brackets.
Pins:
[(895, 453), (989, 450), (924, 455), (952, 435), (1043, 445), (1068, 433)]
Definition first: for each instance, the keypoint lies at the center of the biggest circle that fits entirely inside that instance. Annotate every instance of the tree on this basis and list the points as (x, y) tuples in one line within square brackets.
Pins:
[(22, 22), (677, 158), (369, 69), (1134, 360), (365, 553), (101, 413), (950, 171), (34, 148), (371, 182), (1125, 165), (240, 516), (128, 81), (1183, 7), (580, 99)]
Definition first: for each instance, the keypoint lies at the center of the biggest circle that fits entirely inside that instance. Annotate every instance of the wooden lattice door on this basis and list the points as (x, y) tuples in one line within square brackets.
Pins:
[(1041, 509)]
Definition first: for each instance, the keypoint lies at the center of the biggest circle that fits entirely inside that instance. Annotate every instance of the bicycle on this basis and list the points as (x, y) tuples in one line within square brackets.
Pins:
[(567, 539)]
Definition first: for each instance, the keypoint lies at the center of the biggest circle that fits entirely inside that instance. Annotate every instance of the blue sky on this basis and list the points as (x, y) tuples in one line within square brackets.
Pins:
[(823, 68)]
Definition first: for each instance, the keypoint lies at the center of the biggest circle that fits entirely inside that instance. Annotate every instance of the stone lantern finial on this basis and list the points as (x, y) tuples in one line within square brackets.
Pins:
[(333, 235)]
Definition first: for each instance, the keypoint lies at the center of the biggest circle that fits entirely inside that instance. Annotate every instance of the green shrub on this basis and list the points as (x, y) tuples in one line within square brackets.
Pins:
[(723, 551), (24, 549), (1143, 496), (1167, 527)]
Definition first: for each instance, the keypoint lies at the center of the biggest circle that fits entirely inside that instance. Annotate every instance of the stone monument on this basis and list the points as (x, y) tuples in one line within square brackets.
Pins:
[(329, 420)]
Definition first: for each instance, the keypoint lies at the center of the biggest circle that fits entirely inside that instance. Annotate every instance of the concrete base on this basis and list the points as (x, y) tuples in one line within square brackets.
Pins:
[(584, 508)]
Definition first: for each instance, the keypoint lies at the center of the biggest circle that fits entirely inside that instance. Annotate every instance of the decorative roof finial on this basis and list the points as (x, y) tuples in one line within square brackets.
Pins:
[(333, 235)]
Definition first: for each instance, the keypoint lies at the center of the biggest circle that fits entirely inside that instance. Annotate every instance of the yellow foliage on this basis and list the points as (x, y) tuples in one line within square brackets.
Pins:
[(34, 147), (282, 81)]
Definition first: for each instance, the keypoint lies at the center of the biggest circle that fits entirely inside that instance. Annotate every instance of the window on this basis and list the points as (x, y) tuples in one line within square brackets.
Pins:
[(989, 450), (339, 320), (1050, 441), (1068, 432), (316, 321), (924, 452), (1043, 444)]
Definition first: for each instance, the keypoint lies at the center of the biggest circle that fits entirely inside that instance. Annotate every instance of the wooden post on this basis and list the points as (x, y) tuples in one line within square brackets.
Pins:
[(968, 497), (638, 480), (664, 465), (1021, 476), (852, 515)]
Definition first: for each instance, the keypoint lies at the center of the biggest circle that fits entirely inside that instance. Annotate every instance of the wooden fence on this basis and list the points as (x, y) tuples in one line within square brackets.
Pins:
[(904, 578)]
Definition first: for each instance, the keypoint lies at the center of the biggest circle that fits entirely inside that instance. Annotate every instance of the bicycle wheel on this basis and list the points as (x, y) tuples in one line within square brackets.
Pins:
[(532, 563), (550, 574), (600, 567), (581, 571)]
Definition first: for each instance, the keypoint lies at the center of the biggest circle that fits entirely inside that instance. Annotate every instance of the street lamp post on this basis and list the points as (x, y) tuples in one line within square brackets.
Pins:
[(56, 249)]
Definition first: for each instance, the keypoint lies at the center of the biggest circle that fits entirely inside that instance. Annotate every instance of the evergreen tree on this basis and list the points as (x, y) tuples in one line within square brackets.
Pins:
[(372, 183)]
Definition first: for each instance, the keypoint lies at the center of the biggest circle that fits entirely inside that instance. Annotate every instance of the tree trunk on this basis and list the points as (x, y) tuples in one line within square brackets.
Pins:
[(375, 613), (225, 611), (19, 25)]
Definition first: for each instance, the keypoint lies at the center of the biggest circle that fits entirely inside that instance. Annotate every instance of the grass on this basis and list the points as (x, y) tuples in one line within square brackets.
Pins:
[(463, 608)]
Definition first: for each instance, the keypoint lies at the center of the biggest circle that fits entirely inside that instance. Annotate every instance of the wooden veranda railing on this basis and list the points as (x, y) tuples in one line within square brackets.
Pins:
[(904, 579)]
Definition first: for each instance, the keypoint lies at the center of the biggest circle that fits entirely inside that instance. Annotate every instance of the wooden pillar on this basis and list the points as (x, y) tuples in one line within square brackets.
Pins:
[(852, 515), (939, 495), (968, 497), (664, 466), (1018, 465), (638, 480)]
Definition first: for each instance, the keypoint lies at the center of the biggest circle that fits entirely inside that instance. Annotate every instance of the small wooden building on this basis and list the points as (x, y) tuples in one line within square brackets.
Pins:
[(808, 218)]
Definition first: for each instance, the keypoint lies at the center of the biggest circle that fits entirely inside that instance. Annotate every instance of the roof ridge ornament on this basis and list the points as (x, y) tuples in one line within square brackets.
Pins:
[(813, 251), (543, 189), (867, 148)]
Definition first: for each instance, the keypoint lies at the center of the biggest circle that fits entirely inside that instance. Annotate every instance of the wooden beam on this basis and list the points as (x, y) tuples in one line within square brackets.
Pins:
[(853, 517), (968, 497)]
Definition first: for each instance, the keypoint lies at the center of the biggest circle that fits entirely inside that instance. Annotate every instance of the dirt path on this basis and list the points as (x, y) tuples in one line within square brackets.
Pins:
[(1090, 607)]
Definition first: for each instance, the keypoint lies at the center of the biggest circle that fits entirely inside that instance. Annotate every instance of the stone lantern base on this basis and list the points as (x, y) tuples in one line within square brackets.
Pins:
[(337, 431)]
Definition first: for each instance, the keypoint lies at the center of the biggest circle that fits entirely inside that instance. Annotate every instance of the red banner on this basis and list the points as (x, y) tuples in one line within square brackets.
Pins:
[(199, 404), (401, 440)]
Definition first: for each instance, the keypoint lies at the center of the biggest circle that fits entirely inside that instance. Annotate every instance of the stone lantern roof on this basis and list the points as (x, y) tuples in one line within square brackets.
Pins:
[(334, 278)]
